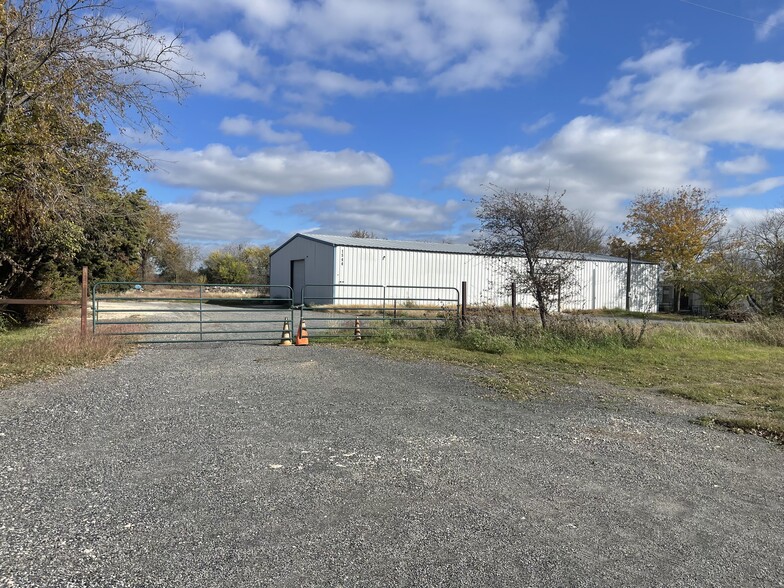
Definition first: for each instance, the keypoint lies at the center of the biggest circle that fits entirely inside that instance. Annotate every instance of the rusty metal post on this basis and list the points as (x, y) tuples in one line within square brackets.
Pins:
[(514, 301), (84, 302), (463, 301), (629, 280)]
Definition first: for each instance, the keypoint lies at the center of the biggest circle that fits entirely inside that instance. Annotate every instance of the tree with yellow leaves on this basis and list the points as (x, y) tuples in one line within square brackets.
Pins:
[(677, 230)]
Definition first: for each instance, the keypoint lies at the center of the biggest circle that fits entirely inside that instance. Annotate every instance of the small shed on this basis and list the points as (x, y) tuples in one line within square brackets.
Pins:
[(329, 269)]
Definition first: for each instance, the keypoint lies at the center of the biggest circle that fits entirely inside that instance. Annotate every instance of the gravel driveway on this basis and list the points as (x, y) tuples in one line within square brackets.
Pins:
[(229, 465)]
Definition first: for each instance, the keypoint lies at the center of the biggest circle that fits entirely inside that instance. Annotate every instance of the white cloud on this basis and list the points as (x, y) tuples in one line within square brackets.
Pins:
[(452, 45), (330, 83), (228, 198), (244, 126), (323, 123), (276, 171), (215, 224), (751, 164), (230, 67), (671, 56), (701, 103), (761, 187), (745, 217), (774, 21), (383, 214), (539, 124), (599, 164)]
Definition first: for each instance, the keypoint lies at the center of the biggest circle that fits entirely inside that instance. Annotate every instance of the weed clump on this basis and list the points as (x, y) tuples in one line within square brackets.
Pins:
[(481, 340), (763, 331)]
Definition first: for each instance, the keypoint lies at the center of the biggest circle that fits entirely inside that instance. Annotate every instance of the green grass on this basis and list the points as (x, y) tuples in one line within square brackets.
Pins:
[(31, 353), (737, 369)]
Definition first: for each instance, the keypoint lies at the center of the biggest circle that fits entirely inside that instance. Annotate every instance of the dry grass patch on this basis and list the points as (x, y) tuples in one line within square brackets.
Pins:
[(31, 353), (736, 369)]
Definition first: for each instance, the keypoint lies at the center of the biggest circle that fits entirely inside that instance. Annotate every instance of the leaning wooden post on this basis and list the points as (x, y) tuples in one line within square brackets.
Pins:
[(84, 302), (463, 301), (514, 301)]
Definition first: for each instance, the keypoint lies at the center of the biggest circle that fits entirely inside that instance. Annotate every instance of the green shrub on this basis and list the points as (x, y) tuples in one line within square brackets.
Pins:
[(480, 340)]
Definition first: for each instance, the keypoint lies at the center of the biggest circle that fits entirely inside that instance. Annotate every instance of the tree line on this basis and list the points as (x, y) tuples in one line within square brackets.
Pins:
[(74, 76), (735, 271)]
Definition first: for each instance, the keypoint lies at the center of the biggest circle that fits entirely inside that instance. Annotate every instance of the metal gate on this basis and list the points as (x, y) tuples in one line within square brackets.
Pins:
[(154, 312), (332, 310)]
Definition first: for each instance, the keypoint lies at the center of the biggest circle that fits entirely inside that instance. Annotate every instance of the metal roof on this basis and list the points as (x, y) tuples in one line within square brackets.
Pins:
[(462, 248)]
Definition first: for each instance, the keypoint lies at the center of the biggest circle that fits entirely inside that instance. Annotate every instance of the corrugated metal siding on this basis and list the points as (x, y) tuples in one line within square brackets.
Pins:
[(597, 284), (416, 275)]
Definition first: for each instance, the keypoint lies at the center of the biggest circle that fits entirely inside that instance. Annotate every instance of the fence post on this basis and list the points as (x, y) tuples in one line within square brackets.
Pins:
[(84, 303), (201, 313), (629, 280), (514, 301), (463, 301)]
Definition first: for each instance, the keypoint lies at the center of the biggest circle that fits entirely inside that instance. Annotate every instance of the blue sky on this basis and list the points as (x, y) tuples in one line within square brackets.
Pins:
[(393, 115)]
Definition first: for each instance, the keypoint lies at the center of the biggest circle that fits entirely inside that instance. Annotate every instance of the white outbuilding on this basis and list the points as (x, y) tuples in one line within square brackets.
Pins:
[(328, 269)]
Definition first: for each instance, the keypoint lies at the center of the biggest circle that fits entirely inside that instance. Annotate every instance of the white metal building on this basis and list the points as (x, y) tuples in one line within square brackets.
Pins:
[(329, 269)]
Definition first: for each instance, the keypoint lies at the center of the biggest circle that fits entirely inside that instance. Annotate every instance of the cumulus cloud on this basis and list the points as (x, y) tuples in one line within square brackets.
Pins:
[(598, 163), (230, 66), (383, 214), (702, 103), (761, 187), (450, 45), (216, 168), (751, 164), (215, 224), (326, 124), (244, 126)]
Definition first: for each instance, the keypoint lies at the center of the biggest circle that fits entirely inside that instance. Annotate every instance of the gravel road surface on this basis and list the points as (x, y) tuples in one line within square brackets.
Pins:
[(231, 465)]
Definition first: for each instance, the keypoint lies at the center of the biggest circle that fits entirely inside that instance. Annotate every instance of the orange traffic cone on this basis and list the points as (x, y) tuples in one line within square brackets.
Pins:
[(302, 334), (285, 338), (357, 332)]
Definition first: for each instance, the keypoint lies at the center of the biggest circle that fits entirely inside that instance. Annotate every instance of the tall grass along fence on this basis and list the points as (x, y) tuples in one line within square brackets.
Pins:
[(82, 302)]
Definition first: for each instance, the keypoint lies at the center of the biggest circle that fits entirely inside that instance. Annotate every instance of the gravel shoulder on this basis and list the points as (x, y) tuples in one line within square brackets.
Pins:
[(249, 465)]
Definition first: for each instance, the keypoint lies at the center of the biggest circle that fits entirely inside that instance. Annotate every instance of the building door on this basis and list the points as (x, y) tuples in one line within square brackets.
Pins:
[(298, 279)]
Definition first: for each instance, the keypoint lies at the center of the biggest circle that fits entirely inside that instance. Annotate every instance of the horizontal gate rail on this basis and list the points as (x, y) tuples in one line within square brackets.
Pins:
[(406, 307), (201, 322)]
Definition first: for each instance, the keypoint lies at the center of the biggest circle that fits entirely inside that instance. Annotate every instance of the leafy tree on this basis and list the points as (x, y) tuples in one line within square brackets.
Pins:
[(532, 227), (727, 275), (176, 262), (237, 264), (68, 69), (766, 240), (159, 229), (258, 260), (676, 230), (114, 234), (223, 267)]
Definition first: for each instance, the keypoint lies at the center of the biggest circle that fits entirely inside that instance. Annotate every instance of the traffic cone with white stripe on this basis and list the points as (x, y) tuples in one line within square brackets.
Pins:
[(285, 338), (357, 332), (302, 334)]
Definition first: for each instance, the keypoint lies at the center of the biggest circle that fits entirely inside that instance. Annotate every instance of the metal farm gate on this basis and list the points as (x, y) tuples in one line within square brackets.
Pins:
[(333, 310), (156, 312)]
